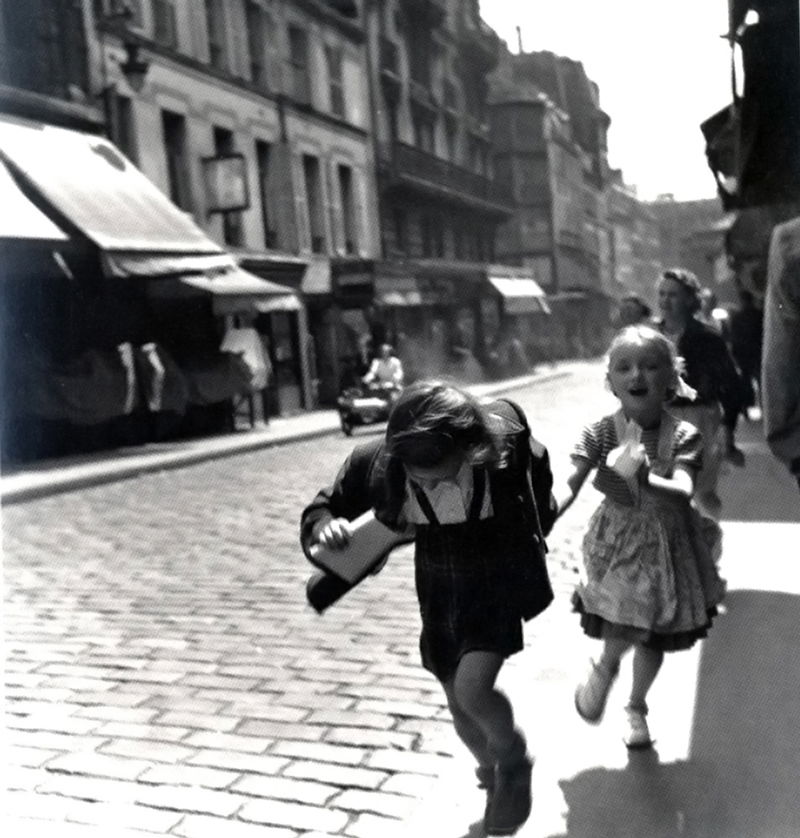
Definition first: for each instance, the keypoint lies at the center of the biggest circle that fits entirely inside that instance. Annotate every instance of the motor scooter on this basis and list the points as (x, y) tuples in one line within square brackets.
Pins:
[(365, 404)]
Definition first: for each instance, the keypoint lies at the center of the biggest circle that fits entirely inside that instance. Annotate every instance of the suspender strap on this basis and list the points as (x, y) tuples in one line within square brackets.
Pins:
[(424, 503), (478, 491)]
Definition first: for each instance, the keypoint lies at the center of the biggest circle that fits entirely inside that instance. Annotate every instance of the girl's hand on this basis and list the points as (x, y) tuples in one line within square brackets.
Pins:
[(334, 534)]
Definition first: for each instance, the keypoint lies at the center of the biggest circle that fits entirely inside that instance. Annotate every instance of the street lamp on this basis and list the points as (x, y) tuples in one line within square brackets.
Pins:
[(134, 67)]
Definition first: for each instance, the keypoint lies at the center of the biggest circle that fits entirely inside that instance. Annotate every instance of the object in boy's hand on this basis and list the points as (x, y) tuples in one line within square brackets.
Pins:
[(343, 568)]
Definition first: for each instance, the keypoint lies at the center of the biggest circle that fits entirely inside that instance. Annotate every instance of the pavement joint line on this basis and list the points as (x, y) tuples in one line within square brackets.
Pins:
[(42, 482)]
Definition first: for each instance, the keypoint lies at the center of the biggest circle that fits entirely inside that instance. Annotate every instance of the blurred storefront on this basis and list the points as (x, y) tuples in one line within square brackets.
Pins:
[(116, 305)]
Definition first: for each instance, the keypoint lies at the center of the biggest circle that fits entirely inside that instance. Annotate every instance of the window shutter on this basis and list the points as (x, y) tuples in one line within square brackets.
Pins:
[(363, 241), (335, 209), (302, 222), (240, 57)]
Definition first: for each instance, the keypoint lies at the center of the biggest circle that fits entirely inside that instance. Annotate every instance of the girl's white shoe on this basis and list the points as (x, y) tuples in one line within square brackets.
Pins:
[(591, 695), (637, 734)]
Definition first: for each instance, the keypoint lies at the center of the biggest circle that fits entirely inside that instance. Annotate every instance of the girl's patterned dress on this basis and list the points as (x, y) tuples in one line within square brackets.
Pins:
[(650, 564)]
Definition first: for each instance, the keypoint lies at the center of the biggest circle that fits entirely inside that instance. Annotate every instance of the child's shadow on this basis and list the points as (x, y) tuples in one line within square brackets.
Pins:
[(644, 800), (741, 779)]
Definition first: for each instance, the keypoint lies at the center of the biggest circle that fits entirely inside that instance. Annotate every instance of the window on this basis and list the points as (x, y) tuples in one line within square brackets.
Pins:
[(231, 221), (425, 235), (299, 81), (400, 231), (316, 222), (458, 242), (335, 78), (122, 131), (451, 138), (423, 134), (164, 29), (437, 236), (265, 188), (256, 42), (174, 129), (348, 208), (43, 48), (104, 8), (217, 34)]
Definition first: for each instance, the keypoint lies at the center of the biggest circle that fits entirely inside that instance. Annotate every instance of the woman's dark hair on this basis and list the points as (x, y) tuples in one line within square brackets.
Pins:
[(688, 281), (432, 420)]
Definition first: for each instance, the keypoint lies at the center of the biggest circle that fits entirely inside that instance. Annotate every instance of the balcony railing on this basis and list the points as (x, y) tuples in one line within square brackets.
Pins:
[(412, 165), (389, 58), (422, 95)]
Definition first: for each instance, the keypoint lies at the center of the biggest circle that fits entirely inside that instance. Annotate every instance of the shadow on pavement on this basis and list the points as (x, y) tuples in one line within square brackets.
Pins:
[(761, 491), (741, 780)]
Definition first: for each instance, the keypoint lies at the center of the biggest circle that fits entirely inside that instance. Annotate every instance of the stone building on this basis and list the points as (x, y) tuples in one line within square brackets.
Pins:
[(438, 292), (549, 136), (273, 94)]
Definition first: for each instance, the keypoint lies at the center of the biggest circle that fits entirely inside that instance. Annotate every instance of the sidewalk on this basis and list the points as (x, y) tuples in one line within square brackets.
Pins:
[(48, 477), (727, 752)]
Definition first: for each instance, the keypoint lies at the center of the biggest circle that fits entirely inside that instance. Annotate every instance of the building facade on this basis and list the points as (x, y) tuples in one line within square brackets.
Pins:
[(282, 87), (439, 202), (549, 137)]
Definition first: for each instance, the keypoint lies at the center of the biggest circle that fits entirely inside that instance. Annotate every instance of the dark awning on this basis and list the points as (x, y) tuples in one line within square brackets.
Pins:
[(93, 185), (230, 291)]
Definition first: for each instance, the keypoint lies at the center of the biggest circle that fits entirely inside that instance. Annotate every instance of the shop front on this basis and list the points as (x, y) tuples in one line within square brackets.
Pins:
[(131, 329), (517, 321), (282, 322)]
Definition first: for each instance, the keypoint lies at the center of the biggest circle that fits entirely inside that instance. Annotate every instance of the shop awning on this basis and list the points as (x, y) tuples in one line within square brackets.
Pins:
[(20, 218), (91, 183), (231, 291), (521, 295)]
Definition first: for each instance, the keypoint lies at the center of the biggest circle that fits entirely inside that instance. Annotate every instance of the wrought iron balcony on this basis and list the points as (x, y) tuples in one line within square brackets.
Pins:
[(414, 169), (390, 65), (422, 95)]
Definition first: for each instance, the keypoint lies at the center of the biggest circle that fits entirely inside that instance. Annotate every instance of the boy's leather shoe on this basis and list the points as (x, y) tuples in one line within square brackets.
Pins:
[(510, 804), (486, 780)]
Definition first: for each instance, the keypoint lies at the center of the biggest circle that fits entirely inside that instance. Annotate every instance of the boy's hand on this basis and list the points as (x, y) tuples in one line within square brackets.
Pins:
[(334, 534)]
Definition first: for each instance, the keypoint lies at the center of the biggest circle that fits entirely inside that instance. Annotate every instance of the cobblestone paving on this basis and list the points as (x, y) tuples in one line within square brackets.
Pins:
[(165, 676)]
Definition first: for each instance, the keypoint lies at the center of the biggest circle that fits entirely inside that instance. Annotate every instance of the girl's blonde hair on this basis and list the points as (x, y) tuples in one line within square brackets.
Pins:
[(640, 335)]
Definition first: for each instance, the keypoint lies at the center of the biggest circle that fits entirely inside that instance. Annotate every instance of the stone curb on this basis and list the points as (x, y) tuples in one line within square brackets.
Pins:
[(55, 477)]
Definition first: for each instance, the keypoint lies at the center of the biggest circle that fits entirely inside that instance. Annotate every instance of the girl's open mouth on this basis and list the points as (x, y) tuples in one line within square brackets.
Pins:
[(638, 391)]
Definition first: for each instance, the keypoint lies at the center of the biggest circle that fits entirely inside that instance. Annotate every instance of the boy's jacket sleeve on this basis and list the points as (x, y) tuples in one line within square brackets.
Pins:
[(347, 497), (542, 485)]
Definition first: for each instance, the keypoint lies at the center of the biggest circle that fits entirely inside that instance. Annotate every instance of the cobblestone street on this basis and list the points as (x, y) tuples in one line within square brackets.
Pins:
[(161, 658), (165, 675)]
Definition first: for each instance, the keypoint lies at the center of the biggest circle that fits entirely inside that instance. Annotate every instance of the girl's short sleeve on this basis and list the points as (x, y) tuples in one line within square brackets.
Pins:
[(589, 446), (688, 446)]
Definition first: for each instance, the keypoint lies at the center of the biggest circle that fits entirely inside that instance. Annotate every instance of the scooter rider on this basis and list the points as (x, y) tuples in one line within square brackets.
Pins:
[(386, 371)]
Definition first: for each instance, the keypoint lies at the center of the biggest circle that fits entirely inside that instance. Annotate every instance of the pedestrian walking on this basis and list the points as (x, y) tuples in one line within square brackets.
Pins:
[(632, 309), (711, 372), (747, 333), (781, 361), (474, 487), (650, 581)]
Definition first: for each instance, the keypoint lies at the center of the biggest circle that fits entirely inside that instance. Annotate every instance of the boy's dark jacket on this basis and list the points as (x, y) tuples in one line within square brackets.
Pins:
[(371, 479)]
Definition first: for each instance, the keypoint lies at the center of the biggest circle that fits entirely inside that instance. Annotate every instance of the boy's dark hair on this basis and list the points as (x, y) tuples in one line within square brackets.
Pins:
[(432, 420)]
